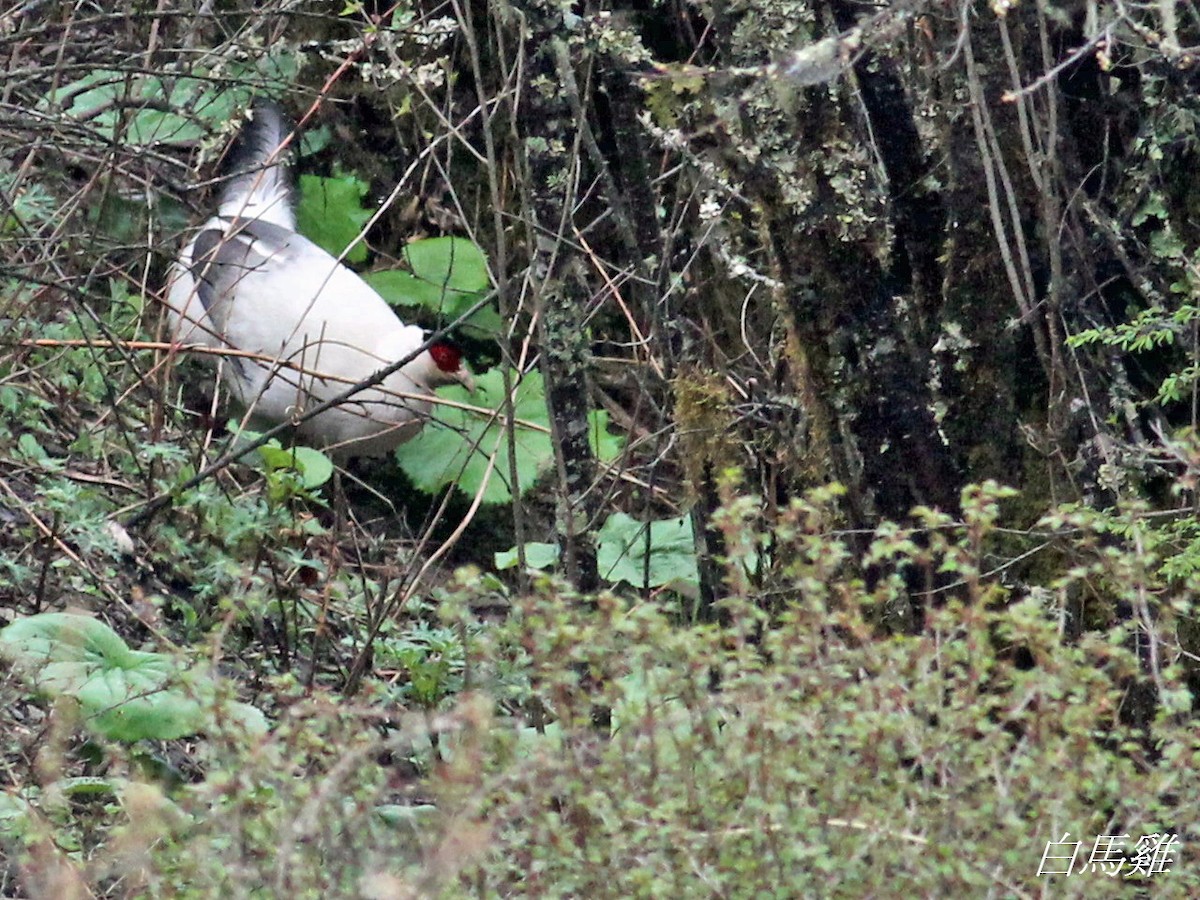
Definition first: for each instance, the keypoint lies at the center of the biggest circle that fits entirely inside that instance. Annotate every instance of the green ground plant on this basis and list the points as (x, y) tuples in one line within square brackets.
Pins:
[(805, 748)]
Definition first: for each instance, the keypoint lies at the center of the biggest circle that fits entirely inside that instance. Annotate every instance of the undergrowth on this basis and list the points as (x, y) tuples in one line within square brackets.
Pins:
[(800, 752)]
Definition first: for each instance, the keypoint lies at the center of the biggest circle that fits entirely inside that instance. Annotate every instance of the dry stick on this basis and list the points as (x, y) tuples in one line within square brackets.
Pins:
[(447, 544), (991, 168), (1103, 36), (641, 341), (283, 365), (1024, 112), (147, 345), (402, 596), (154, 504), (489, 113), (262, 357)]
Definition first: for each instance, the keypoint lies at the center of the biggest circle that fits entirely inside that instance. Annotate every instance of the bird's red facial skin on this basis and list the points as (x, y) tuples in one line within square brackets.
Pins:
[(447, 357)]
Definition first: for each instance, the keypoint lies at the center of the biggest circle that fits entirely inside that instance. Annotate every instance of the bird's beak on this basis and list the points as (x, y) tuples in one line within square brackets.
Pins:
[(463, 377)]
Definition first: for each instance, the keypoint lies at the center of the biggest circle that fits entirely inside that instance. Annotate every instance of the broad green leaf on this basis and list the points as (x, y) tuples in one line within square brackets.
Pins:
[(452, 264), (400, 288), (538, 555), (124, 694), (315, 467), (108, 100), (29, 447), (30, 206), (607, 446), (455, 446), (448, 276), (14, 815), (121, 691), (314, 140), (622, 552), (88, 95), (331, 215)]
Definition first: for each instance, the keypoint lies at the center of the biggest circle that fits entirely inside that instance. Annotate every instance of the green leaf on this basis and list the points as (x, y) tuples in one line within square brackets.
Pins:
[(108, 100), (121, 691), (315, 467), (448, 276), (622, 552), (1151, 208), (275, 457), (124, 694), (538, 555), (314, 140), (607, 445), (14, 815), (29, 447), (400, 288), (455, 446), (449, 264), (331, 215)]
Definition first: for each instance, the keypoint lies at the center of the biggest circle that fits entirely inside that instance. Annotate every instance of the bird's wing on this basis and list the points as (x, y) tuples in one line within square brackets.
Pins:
[(223, 257), (267, 289)]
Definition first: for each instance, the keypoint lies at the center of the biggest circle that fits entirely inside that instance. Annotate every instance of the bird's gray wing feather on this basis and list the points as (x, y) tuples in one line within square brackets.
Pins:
[(222, 258)]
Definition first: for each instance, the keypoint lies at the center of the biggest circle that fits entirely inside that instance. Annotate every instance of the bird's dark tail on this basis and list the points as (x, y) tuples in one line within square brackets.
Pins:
[(257, 172)]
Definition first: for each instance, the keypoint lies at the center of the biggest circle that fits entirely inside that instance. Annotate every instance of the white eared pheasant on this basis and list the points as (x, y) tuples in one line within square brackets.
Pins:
[(249, 282)]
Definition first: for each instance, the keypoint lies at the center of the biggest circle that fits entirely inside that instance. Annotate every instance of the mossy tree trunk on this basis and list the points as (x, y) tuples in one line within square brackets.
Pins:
[(550, 129), (862, 271)]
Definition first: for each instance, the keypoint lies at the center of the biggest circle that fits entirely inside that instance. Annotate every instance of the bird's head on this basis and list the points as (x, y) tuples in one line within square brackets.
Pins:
[(443, 364)]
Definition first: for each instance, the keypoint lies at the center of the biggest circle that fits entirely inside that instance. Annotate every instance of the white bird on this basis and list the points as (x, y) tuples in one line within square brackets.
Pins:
[(311, 326)]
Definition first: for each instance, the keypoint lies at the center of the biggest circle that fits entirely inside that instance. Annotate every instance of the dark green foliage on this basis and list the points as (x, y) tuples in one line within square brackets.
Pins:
[(330, 214)]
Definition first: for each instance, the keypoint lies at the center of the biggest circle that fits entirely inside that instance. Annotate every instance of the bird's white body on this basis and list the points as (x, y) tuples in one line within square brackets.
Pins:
[(312, 328)]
